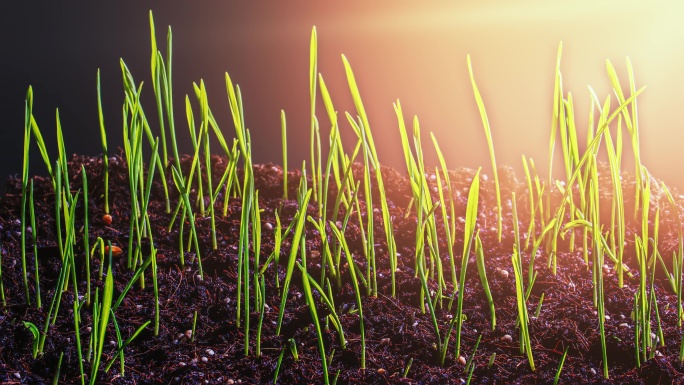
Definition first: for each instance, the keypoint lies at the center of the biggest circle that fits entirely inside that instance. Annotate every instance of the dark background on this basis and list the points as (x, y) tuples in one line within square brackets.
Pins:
[(410, 51)]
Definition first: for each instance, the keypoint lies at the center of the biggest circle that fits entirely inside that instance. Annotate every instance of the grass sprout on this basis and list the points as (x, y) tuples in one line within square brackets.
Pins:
[(560, 366), (468, 235), (342, 199), (479, 253), (490, 144)]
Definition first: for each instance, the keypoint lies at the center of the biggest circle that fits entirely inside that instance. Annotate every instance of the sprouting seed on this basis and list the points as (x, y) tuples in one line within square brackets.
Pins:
[(116, 250)]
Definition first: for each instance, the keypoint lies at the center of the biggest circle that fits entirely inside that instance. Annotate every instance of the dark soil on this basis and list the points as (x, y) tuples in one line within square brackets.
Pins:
[(396, 330)]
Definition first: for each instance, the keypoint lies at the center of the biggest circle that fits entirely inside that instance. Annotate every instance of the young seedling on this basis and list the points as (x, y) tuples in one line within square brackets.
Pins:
[(468, 234), (32, 214), (490, 145), (105, 157), (560, 366)]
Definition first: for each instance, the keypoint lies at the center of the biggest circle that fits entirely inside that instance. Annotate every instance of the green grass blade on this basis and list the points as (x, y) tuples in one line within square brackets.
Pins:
[(490, 145)]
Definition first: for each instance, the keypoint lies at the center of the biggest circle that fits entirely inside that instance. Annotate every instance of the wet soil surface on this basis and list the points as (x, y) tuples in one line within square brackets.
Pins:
[(398, 333)]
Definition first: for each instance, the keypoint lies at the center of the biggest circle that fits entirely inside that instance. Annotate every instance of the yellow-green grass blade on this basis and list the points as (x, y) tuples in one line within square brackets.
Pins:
[(522, 309), (619, 204), (308, 295), (313, 70), (299, 228), (592, 145), (479, 253), (38, 136), (490, 145), (557, 101), (156, 85), (103, 137), (283, 136), (468, 234), (355, 282)]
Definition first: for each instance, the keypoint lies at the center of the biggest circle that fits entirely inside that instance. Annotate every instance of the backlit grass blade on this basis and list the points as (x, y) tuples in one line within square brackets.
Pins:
[(490, 145), (32, 214), (24, 192), (308, 295), (560, 366), (86, 236), (299, 228), (468, 234), (103, 138), (369, 143), (38, 136), (677, 260), (522, 310), (448, 218), (157, 88), (618, 203), (283, 136), (104, 318), (479, 252), (355, 282), (313, 71), (631, 122)]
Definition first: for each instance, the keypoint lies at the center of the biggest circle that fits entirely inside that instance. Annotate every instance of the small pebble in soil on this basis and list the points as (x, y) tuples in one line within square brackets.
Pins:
[(112, 343), (623, 325), (181, 364), (193, 362), (461, 360), (210, 352), (507, 338), (230, 381), (385, 341), (381, 371), (503, 273), (107, 219), (268, 226), (606, 269), (204, 359), (593, 371), (17, 375), (188, 334)]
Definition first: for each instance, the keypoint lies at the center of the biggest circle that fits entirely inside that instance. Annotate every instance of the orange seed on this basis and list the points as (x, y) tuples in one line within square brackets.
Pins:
[(107, 219), (116, 251)]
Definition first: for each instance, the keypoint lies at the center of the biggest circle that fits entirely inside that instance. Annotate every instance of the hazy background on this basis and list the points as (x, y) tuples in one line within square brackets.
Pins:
[(411, 51)]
